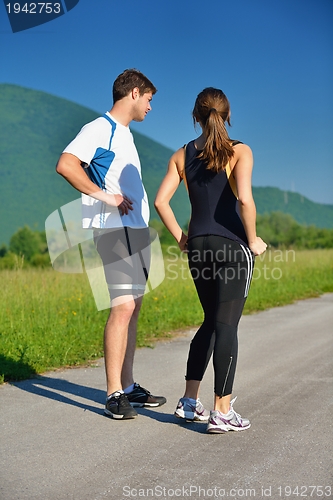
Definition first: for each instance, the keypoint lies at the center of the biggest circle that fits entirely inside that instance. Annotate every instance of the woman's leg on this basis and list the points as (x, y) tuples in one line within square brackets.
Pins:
[(202, 343), (221, 270), (233, 274)]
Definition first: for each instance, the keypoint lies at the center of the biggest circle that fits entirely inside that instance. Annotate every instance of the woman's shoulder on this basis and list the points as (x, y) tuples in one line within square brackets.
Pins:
[(242, 152), (181, 151), (241, 147), (235, 142)]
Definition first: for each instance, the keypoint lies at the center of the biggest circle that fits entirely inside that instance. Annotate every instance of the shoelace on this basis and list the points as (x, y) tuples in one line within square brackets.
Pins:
[(122, 401), (138, 386), (199, 406), (237, 415)]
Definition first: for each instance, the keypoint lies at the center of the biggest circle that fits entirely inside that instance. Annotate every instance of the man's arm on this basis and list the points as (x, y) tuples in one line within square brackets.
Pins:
[(69, 166)]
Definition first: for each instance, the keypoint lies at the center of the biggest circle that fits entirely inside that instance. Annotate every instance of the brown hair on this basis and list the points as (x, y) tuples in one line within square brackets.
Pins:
[(212, 110), (128, 80)]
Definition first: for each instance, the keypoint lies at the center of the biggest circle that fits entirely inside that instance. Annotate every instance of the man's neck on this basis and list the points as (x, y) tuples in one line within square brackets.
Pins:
[(121, 113)]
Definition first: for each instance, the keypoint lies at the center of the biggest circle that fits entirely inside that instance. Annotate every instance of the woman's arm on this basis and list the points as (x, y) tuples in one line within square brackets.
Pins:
[(166, 191), (69, 166), (242, 172)]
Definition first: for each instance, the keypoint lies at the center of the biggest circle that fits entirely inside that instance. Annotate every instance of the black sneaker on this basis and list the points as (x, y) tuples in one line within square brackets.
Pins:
[(117, 406), (141, 397)]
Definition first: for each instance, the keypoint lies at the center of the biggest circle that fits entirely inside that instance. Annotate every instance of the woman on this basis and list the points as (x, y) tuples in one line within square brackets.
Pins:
[(221, 246)]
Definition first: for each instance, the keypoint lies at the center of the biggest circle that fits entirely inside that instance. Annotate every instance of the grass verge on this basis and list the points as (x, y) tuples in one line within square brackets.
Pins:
[(49, 319)]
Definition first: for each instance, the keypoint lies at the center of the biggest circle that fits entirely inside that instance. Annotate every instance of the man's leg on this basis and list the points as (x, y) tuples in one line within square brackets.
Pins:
[(119, 354), (125, 272), (119, 344), (127, 377)]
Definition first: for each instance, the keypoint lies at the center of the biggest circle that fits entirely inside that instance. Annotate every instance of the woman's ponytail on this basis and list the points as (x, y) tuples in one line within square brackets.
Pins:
[(212, 110)]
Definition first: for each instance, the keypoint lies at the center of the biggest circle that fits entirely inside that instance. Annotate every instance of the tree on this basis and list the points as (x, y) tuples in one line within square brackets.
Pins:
[(27, 243), (3, 250)]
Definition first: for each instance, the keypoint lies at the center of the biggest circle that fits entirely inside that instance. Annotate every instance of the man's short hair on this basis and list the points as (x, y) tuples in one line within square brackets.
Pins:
[(128, 80)]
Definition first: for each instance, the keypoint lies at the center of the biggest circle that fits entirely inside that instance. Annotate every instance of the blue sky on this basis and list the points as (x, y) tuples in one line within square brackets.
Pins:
[(272, 58)]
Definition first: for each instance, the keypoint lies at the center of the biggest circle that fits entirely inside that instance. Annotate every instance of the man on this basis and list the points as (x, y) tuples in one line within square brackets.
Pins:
[(103, 164)]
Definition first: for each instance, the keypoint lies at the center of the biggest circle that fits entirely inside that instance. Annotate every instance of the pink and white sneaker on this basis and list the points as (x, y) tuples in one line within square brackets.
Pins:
[(219, 423), (191, 409)]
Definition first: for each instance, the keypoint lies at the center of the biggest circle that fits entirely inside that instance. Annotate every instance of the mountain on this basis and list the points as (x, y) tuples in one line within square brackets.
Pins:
[(303, 210), (37, 126)]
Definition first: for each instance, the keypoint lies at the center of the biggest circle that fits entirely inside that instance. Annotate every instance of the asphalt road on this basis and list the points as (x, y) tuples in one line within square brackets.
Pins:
[(56, 444)]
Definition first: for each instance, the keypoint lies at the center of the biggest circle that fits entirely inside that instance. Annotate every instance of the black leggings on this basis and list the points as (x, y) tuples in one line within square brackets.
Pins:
[(222, 271)]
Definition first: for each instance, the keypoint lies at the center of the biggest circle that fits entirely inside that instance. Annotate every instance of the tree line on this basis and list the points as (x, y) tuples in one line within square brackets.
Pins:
[(277, 229), (28, 247)]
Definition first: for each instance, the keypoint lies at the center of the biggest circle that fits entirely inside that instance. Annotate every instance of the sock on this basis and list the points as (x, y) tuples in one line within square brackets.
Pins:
[(129, 389), (226, 414), (117, 393)]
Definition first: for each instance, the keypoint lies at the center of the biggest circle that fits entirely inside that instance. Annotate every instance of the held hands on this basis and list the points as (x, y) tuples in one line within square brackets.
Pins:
[(258, 246)]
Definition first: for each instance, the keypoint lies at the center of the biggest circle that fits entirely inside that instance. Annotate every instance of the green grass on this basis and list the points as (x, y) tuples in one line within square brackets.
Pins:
[(283, 276), (49, 319)]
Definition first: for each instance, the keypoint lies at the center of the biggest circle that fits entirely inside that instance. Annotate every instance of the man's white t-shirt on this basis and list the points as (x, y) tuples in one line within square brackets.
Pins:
[(108, 148)]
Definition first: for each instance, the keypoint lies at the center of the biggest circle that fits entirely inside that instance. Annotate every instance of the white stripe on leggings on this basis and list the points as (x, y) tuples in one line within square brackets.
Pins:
[(249, 259)]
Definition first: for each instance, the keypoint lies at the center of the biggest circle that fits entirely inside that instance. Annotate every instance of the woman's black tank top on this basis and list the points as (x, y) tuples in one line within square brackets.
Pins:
[(214, 205)]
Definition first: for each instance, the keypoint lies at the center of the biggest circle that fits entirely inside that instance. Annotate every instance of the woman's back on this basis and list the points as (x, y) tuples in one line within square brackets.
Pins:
[(214, 205)]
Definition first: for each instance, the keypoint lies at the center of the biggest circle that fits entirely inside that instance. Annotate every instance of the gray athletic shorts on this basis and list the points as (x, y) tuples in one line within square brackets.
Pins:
[(125, 253)]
